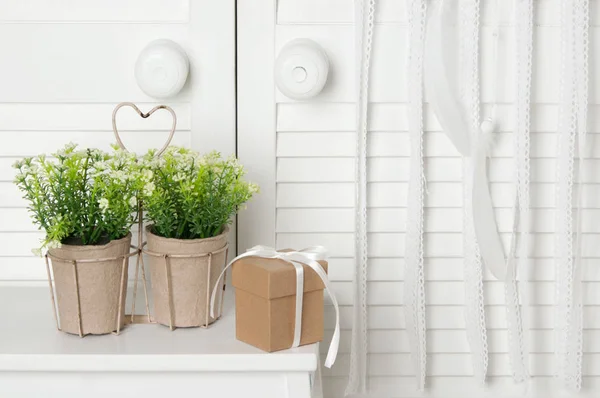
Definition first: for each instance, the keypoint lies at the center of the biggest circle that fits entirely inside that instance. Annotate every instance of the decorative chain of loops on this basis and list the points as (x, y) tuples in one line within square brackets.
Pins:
[(414, 281), (573, 302), (572, 126), (518, 323), (475, 311), (365, 23), (584, 23)]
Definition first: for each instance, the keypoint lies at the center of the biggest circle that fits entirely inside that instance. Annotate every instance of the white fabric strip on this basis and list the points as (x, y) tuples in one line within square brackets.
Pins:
[(364, 26), (440, 56), (576, 333), (572, 129), (518, 314), (484, 218), (440, 78), (475, 311), (565, 164), (414, 275), (299, 303), (440, 62), (309, 257)]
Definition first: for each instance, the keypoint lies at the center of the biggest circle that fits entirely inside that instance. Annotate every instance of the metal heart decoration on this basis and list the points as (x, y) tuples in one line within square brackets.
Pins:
[(144, 116)]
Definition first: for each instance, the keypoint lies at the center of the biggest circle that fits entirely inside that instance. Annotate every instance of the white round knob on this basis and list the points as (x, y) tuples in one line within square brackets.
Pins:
[(301, 69), (487, 126), (162, 69)]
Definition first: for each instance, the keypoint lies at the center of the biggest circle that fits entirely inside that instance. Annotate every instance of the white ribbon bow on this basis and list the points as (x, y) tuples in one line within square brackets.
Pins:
[(309, 257)]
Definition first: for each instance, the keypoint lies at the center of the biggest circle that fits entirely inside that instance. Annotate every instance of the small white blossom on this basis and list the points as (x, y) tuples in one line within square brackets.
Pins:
[(103, 203), (149, 188), (37, 252), (120, 175), (253, 188), (67, 150), (147, 175), (54, 244), (179, 177)]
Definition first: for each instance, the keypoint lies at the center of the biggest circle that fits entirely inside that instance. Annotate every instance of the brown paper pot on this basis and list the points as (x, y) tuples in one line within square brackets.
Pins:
[(190, 290), (99, 286)]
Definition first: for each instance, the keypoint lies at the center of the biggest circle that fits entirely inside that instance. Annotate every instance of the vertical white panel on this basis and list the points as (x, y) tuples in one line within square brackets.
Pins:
[(211, 51), (256, 117)]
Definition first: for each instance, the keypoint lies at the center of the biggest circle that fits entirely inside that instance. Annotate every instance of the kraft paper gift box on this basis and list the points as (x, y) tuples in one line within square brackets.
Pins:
[(265, 301)]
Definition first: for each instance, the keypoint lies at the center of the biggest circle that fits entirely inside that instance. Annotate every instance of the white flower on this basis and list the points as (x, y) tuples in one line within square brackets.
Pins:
[(103, 203), (147, 175), (67, 150), (120, 175), (179, 177), (95, 152), (54, 244), (253, 188), (149, 188), (132, 201), (37, 252)]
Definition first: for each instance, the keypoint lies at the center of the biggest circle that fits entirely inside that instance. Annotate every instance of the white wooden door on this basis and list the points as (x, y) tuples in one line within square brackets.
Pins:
[(302, 154), (66, 64)]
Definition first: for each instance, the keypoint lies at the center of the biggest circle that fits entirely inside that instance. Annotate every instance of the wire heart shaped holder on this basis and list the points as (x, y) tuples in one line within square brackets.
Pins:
[(144, 116), (138, 251)]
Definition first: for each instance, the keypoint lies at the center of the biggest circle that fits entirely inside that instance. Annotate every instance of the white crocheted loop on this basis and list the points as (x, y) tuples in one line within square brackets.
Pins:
[(474, 306), (364, 26), (414, 276), (518, 315), (572, 126)]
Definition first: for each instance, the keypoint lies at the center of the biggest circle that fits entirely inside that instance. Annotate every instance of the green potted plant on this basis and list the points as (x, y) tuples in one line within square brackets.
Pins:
[(86, 202), (190, 204)]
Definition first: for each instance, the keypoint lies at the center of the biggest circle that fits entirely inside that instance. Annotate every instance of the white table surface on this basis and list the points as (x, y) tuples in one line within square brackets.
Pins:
[(29, 341)]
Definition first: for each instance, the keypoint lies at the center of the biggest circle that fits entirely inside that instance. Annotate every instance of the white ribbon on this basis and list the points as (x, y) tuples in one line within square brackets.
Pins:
[(439, 83), (414, 275), (481, 238), (484, 219), (309, 257), (449, 113)]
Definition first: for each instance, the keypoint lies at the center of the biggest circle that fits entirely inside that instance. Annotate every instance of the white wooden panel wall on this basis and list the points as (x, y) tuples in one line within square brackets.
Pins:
[(314, 169), (66, 64)]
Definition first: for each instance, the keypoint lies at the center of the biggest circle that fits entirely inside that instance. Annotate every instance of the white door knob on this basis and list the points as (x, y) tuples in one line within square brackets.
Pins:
[(162, 69), (301, 69)]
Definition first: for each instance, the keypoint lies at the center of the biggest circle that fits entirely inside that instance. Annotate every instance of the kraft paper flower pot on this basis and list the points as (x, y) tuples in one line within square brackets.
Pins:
[(90, 281), (181, 286)]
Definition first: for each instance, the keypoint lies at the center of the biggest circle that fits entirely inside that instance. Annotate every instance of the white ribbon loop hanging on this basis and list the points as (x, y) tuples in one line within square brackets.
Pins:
[(451, 115), (459, 119), (484, 219), (438, 83), (309, 257)]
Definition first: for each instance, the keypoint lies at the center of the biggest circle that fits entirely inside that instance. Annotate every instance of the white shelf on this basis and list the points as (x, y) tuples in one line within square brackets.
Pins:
[(29, 341)]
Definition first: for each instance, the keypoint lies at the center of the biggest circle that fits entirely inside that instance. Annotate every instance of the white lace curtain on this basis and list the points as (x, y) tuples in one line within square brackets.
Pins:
[(459, 113)]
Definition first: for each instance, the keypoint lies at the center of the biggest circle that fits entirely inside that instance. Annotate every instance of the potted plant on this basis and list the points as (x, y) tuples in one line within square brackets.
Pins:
[(191, 203), (86, 202)]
